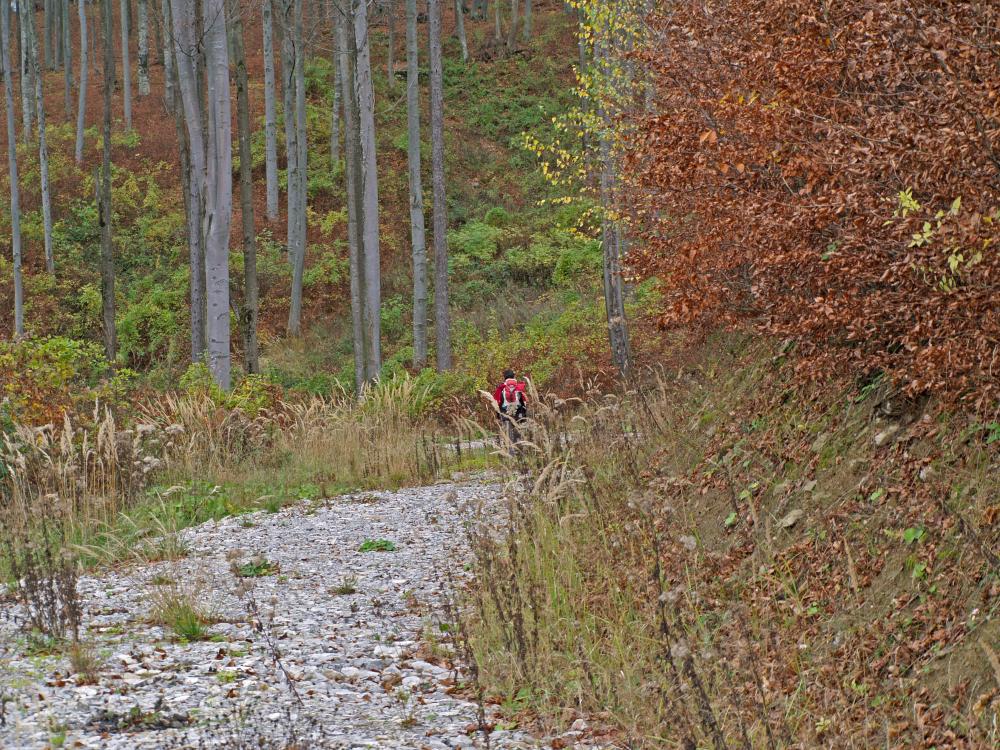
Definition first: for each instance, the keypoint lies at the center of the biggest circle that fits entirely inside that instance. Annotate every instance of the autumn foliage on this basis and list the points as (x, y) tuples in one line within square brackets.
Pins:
[(828, 173)]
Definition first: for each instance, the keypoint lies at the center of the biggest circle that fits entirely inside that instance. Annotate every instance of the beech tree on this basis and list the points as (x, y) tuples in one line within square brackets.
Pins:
[(66, 60), (126, 65), (43, 151), (249, 313), (183, 22), (27, 71), (442, 315), (270, 114), (460, 29), (296, 152), (15, 185), (417, 231), (390, 52), (352, 175), (335, 88), (142, 21), (219, 189), (81, 110), (365, 95), (104, 193)]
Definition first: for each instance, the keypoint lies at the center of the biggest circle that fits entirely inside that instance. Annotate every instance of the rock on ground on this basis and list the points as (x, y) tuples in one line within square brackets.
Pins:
[(367, 666)]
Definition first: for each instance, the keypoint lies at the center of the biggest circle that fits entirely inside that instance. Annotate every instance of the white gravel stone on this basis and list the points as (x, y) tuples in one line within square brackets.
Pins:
[(155, 691)]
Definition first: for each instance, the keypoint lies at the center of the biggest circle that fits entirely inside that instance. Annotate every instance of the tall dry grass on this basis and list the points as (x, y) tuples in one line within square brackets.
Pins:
[(96, 484), (383, 439), (614, 583)]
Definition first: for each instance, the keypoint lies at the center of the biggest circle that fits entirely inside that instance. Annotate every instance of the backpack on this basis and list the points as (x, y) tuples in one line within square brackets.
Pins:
[(511, 395)]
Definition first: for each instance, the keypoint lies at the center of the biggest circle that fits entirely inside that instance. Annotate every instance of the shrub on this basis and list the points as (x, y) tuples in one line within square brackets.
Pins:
[(43, 378), (476, 240)]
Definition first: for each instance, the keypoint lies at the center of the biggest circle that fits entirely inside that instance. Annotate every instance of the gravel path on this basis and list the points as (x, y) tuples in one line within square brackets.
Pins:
[(365, 664)]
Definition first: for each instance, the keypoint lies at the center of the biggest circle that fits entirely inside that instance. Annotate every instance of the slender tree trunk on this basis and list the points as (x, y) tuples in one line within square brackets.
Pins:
[(417, 232), (107, 248), (184, 24), (301, 147), (156, 13), (219, 193), (460, 28), (527, 20), (15, 185), (270, 116), (497, 26), (24, 27), (390, 56), (43, 150), (248, 315), (611, 245), (192, 210), (167, 53), (369, 191), (352, 173), (46, 31), (512, 32), (335, 90), (442, 317), (288, 112), (67, 56), (81, 110), (142, 21), (126, 65)]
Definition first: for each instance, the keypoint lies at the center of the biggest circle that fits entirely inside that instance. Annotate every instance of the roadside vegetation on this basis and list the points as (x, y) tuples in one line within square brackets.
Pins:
[(723, 557)]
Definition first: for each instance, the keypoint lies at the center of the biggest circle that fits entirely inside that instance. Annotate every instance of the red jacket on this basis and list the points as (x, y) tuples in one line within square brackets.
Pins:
[(513, 386)]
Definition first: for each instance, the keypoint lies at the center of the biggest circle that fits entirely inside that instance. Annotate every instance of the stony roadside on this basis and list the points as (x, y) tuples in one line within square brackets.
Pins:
[(356, 632)]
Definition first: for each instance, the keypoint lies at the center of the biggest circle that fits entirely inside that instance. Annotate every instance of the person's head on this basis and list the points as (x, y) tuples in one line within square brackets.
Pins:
[(508, 374)]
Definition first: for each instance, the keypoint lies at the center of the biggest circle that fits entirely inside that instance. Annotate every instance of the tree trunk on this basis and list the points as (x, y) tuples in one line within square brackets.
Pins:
[(369, 191), (301, 146), (143, 34), (442, 318), (185, 51), (460, 28), (169, 73), (390, 56), (249, 313), (27, 72), (67, 57), (291, 147), (335, 90), (497, 26), (81, 111), (417, 231), (46, 31), (43, 150), (270, 116), (611, 245), (527, 20), (158, 42), (219, 192), (126, 65), (352, 173), (107, 249), (512, 32), (15, 185)]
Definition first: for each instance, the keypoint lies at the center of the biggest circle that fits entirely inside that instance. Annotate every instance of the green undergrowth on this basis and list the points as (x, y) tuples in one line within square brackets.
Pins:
[(725, 556)]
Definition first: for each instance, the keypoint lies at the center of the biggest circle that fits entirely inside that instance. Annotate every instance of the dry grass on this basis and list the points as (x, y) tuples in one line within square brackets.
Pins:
[(638, 570), (182, 609)]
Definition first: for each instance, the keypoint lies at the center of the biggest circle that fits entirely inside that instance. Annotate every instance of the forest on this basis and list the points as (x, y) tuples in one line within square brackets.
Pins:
[(272, 269)]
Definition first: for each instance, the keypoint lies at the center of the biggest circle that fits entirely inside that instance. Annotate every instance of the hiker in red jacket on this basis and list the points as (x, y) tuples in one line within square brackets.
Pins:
[(511, 397)]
